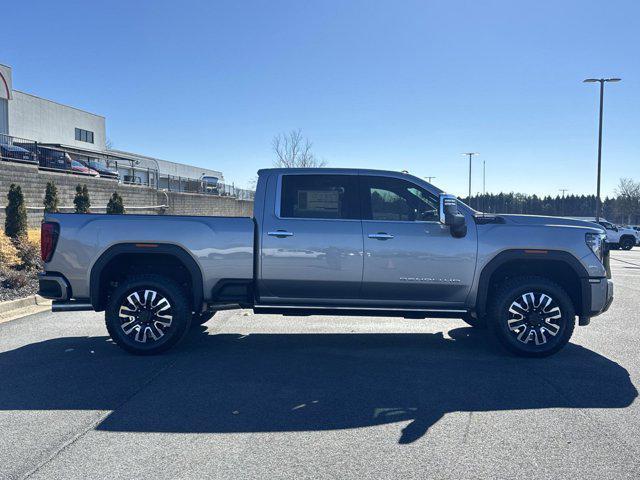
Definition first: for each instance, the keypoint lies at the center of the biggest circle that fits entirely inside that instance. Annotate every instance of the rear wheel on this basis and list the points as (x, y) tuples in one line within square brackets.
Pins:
[(532, 316), (148, 314)]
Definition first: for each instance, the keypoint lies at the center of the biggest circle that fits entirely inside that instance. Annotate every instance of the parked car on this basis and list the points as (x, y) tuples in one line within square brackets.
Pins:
[(102, 169), (210, 184), (52, 158), (331, 241), (79, 167), (16, 153), (620, 237)]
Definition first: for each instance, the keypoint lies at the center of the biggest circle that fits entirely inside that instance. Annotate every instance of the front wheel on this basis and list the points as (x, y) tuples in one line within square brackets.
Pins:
[(202, 317), (475, 322), (532, 316), (148, 314), (627, 243)]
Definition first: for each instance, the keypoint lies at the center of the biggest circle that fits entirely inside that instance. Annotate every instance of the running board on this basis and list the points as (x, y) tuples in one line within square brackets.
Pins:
[(70, 306), (360, 311)]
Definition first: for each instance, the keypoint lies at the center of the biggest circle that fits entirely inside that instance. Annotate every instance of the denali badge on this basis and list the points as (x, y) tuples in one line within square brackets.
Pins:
[(430, 279)]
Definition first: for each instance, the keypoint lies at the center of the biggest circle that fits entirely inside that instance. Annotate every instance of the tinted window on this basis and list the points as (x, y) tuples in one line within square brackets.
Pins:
[(319, 196), (84, 135), (392, 199)]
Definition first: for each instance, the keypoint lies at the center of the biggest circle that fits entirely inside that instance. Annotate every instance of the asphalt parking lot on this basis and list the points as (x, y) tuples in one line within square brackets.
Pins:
[(256, 396)]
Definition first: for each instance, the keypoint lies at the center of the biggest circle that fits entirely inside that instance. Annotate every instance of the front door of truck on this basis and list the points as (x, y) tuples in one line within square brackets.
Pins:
[(311, 240), (410, 258)]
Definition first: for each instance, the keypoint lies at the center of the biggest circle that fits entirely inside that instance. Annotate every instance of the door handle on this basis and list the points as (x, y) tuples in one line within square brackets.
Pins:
[(280, 234), (381, 236)]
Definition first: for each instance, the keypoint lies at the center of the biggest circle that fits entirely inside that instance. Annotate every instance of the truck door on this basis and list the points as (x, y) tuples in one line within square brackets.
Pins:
[(311, 240), (409, 256)]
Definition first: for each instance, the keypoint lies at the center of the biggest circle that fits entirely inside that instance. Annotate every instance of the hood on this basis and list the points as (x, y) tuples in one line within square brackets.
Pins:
[(530, 220)]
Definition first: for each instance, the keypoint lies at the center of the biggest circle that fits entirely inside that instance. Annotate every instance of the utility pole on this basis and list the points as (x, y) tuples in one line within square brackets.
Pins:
[(602, 81), (484, 183), (429, 179), (470, 154), (563, 190)]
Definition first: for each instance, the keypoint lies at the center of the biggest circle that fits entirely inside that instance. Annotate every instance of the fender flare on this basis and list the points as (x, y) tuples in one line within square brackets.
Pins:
[(143, 248), (531, 256)]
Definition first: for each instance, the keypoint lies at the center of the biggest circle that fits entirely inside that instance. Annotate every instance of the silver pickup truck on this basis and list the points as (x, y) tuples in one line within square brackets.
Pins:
[(331, 241)]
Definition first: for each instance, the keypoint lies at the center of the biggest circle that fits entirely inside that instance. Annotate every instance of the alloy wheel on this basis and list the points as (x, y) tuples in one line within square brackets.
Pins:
[(145, 315), (535, 318)]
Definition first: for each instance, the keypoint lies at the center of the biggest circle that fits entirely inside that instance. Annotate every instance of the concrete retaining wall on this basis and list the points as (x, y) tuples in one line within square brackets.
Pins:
[(34, 181)]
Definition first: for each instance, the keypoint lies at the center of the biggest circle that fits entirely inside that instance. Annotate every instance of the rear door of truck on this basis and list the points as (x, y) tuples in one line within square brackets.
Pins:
[(311, 239)]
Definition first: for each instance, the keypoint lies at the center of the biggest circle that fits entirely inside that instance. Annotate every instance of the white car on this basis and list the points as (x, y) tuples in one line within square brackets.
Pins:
[(620, 237)]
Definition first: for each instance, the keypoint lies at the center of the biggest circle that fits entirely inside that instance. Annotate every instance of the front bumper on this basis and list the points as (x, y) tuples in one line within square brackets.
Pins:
[(601, 295), (53, 286)]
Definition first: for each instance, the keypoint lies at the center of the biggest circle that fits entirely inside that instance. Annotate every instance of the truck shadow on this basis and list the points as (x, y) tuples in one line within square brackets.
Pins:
[(303, 382)]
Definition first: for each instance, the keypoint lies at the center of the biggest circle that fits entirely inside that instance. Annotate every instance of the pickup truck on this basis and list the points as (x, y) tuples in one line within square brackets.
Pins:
[(620, 237), (331, 241)]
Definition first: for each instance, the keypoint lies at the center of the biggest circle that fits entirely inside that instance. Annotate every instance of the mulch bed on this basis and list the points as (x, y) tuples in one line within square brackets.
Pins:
[(31, 288)]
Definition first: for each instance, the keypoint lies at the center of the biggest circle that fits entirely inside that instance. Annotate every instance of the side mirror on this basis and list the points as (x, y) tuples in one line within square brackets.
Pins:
[(450, 216)]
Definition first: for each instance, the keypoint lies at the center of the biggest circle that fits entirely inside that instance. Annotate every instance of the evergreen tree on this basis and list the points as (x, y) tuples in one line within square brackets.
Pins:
[(15, 223), (115, 205), (51, 198), (82, 200)]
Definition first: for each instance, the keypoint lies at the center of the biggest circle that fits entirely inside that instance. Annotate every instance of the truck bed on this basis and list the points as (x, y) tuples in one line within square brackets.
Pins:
[(221, 246)]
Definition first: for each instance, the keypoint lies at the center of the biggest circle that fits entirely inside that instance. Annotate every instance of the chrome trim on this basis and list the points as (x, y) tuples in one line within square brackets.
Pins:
[(393, 309), (64, 289), (280, 233), (381, 236)]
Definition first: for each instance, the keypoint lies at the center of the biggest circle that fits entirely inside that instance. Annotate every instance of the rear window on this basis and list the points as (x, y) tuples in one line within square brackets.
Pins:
[(319, 196)]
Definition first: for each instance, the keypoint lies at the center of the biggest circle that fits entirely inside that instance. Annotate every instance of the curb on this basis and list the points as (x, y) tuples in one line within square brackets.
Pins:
[(14, 309)]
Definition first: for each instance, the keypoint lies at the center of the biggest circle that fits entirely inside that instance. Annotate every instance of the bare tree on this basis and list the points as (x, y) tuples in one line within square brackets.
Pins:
[(628, 201), (108, 144), (293, 150)]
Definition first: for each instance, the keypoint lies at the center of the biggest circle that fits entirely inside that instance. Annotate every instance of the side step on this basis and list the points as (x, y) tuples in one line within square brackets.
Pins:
[(70, 306)]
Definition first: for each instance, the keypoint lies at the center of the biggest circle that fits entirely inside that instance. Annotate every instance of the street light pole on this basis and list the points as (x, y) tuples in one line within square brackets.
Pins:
[(471, 154), (602, 81)]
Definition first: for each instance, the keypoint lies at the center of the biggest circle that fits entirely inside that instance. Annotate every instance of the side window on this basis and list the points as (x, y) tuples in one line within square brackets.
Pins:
[(393, 199), (319, 196)]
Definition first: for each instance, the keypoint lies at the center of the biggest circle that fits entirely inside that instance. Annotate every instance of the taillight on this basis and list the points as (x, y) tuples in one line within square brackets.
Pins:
[(48, 240)]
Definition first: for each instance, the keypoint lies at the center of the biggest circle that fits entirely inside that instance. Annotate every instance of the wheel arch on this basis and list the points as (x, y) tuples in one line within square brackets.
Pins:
[(559, 266), (148, 254)]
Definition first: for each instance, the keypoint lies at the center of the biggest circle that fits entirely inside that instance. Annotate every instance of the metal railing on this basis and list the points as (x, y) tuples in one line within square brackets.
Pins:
[(110, 166), (18, 149), (173, 183)]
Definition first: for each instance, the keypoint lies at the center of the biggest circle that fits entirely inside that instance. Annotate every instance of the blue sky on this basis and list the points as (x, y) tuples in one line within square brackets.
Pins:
[(398, 84)]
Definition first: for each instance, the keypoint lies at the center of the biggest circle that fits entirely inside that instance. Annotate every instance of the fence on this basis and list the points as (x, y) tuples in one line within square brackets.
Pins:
[(18, 149), (109, 166)]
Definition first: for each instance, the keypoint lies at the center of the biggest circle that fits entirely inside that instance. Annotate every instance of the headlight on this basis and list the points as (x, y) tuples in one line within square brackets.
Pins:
[(595, 241)]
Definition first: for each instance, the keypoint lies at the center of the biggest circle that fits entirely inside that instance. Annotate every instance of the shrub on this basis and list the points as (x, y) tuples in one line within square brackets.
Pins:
[(51, 198), (82, 200), (115, 205), (13, 278), (15, 224), (29, 254), (8, 252)]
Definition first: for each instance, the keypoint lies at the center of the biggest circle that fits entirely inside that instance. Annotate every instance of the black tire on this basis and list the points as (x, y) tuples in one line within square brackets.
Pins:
[(545, 327), (152, 324), (627, 243), (479, 323), (202, 318)]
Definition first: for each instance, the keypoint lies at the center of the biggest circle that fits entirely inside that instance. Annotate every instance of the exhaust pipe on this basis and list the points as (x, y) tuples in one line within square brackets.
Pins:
[(70, 306)]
